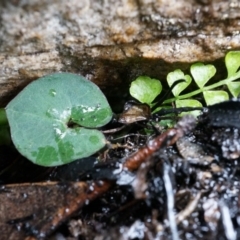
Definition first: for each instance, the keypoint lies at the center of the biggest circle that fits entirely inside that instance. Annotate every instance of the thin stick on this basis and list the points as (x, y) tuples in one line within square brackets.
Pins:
[(170, 202), (168, 138), (230, 233), (189, 209)]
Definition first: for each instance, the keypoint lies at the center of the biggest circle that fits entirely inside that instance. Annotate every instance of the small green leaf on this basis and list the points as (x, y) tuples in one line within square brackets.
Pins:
[(176, 75), (167, 123), (213, 97), (202, 73), (232, 61), (51, 120), (145, 89), (234, 88), (189, 103)]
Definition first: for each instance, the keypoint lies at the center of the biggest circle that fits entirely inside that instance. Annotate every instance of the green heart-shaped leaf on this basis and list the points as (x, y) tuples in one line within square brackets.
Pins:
[(189, 103), (176, 75), (213, 97), (232, 61), (51, 119), (202, 73), (234, 88), (145, 89)]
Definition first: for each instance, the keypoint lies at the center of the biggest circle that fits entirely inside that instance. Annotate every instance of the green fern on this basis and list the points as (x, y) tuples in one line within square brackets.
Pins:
[(200, 74)]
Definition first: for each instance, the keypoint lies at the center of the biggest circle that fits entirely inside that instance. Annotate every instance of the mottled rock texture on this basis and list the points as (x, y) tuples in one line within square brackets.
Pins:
[(111, 42)]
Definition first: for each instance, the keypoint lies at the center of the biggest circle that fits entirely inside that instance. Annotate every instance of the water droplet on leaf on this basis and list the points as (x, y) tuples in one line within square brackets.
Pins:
[(52, 92)]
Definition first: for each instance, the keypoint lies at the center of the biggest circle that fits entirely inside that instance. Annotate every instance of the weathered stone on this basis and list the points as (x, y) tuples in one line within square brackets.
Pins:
[(111, 42)]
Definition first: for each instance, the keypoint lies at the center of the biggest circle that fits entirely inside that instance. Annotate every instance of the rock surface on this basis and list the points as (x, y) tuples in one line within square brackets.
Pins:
[(111, 42)]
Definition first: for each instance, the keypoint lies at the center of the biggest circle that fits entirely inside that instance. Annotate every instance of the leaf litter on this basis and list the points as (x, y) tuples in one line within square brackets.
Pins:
[(170, 192)]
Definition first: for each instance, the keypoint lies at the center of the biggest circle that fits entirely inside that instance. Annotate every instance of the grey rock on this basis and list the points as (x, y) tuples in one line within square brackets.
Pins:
[(111, 42)]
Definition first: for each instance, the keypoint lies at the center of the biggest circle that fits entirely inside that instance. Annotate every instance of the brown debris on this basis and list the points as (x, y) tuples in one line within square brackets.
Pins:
[(165, 197), (37, 209), (189, 209), (134, 113), (167, 138), (193, 152)]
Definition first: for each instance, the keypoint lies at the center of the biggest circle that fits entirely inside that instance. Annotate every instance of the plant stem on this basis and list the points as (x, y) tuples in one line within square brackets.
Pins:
[(3, 117), (207, 88), (5, 138)]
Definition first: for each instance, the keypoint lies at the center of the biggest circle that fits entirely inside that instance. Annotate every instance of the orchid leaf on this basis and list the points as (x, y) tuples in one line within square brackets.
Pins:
[(53, 120)]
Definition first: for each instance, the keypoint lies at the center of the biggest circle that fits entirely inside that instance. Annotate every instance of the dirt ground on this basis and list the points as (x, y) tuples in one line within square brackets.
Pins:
[(181, 183)]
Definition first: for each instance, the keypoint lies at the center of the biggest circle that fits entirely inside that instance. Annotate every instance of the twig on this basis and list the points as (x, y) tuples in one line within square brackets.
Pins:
[(170, 202)]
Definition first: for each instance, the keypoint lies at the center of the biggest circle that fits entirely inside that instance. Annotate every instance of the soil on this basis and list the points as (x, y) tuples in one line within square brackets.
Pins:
[(181, 183)]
